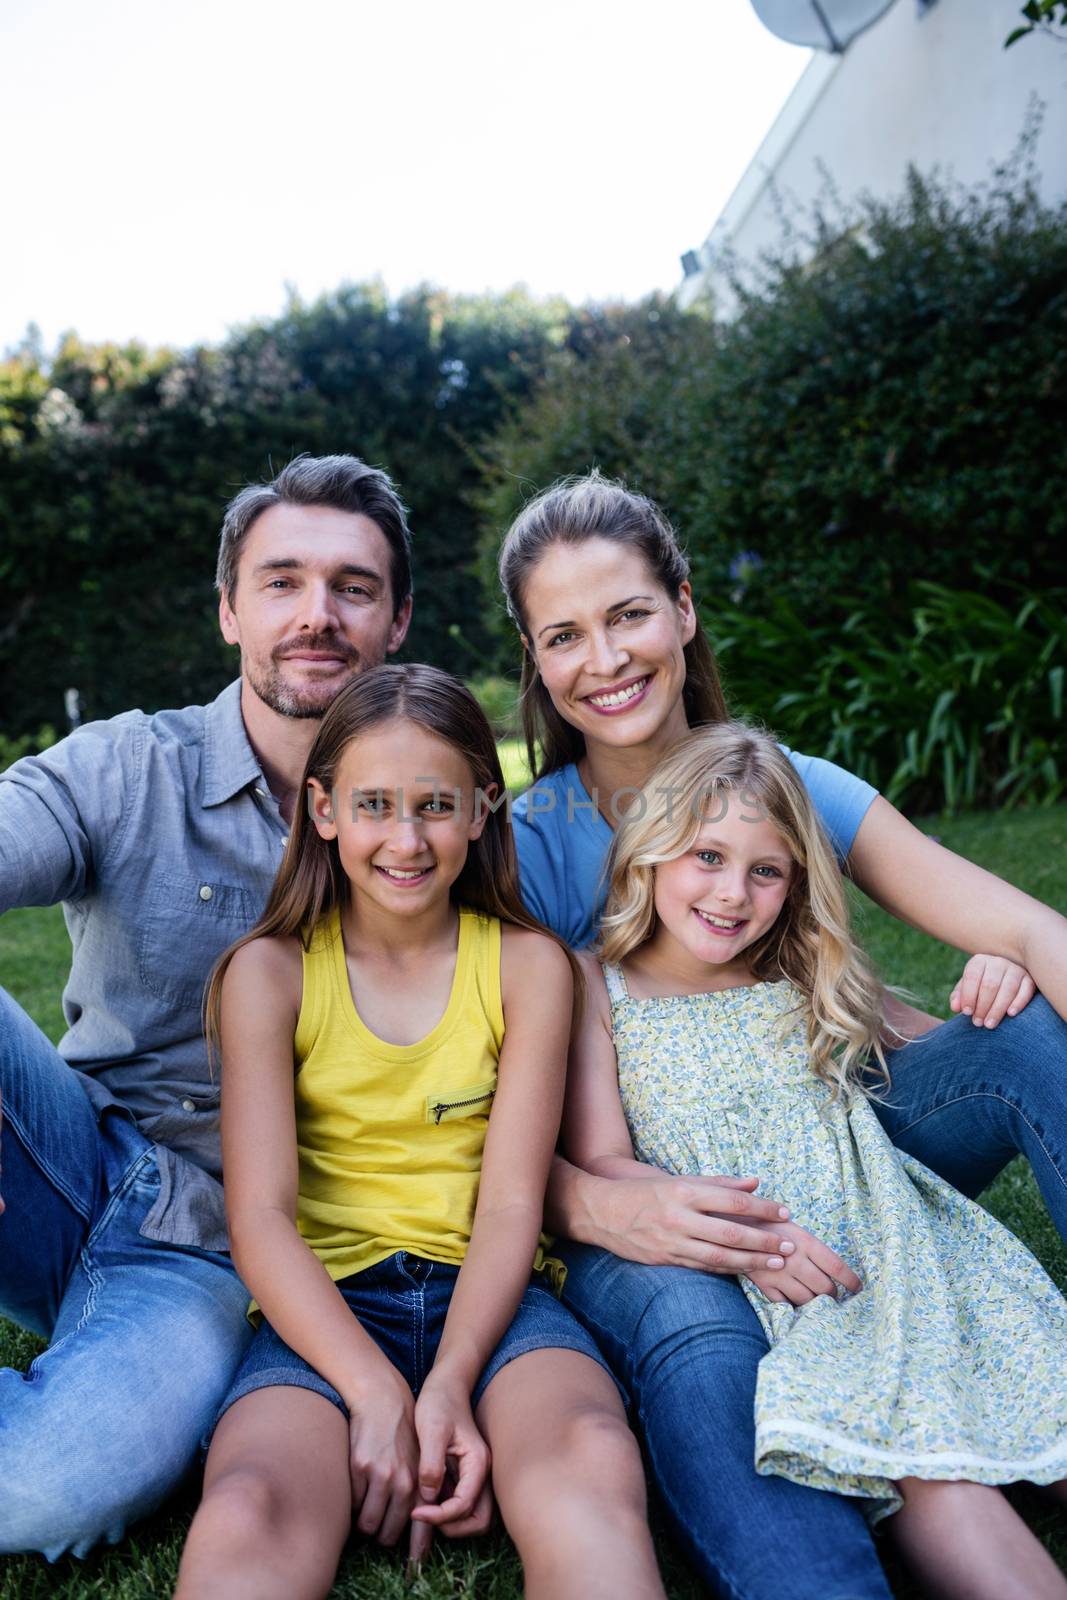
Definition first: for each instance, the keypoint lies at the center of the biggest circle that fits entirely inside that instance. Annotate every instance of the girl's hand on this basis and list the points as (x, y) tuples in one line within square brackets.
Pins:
[(990, 989), (383, 1456), (811, 1269), (453, 1463)]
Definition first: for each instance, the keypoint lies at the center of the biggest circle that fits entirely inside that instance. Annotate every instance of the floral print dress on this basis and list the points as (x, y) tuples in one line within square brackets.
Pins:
[(951, 1362)]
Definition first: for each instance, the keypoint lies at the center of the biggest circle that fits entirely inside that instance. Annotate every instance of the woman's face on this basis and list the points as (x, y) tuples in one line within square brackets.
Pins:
[(607, 639)]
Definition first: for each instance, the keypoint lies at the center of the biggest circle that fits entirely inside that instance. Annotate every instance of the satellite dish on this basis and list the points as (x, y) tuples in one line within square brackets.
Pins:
[(819, 24)]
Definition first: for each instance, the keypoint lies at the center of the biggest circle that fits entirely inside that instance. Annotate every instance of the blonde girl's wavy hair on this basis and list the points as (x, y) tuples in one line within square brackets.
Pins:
[(311, 881), (810, 944)]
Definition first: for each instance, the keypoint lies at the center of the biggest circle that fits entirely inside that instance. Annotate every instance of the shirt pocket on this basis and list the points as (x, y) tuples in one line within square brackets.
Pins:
[(448, 1104), (188, 923)]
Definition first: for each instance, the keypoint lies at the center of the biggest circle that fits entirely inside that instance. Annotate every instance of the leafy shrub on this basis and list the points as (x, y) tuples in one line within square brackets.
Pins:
[(27, 744), (116, 464), (498, 698), (962, 707), (887, 404)]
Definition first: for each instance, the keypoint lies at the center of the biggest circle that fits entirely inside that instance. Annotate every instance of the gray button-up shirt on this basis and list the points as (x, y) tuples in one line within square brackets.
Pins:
[(161, 838)]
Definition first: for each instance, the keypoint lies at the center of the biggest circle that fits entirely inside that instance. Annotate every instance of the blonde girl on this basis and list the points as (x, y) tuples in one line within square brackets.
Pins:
[(733, 1027), (392, 993)]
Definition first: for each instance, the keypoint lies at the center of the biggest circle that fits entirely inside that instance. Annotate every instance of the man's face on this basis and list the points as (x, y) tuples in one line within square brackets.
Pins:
[(313, 605)]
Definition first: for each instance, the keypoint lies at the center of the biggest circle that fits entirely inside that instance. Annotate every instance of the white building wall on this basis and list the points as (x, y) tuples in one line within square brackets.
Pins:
[(930, 89)]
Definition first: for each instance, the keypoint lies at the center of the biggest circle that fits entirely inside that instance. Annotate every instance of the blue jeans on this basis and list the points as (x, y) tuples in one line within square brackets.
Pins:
[(143, 1337), (402, 1302), (964, 1100)]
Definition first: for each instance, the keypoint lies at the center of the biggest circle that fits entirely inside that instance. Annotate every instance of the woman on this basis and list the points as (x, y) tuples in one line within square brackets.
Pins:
[(615, 669)]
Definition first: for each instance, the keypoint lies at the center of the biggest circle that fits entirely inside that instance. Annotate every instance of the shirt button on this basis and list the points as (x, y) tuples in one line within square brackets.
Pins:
[(188, 1105), (262, 793), (285, 839), (205, 891)]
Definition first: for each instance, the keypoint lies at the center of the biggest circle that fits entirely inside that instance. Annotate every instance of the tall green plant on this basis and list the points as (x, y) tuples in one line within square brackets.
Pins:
[(963, 707)]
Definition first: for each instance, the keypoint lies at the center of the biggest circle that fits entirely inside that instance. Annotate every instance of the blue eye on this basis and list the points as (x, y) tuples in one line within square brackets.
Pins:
[(709, 857)]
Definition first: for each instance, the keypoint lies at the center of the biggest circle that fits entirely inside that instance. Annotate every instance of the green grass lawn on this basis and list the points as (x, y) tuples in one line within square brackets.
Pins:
[(1029, 849)]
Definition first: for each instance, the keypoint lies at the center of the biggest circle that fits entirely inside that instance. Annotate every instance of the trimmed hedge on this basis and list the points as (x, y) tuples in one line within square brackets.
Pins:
[(886, 408)]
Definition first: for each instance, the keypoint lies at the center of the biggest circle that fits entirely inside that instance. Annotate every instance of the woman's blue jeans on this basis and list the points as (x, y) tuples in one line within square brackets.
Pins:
[(964, 1100), (144, 1337)]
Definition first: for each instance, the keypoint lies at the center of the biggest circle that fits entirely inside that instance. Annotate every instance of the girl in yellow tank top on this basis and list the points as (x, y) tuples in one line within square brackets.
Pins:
[(392, 996)]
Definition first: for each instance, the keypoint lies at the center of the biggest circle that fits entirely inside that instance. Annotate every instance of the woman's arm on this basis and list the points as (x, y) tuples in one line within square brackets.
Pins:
[(948, 897), (260, 1003), (610, 1199), (538, 993), (595, 1134)]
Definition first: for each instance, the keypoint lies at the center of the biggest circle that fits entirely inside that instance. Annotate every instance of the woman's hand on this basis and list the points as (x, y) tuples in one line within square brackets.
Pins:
[(453, 1469), (812, 1269), (383, 1455), (992, 988), (714, 1224)]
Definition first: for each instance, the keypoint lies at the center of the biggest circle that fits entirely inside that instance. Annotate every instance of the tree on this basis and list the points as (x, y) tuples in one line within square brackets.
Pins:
[(116, 463), (1041, 18)]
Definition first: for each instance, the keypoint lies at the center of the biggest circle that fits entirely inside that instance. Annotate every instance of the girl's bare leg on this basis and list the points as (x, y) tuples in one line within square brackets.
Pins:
[(568, 1478), (965, 1542), (277, 1501)]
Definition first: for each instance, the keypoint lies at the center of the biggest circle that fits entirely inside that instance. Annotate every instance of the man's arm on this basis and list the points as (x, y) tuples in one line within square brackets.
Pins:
[(63, 811)]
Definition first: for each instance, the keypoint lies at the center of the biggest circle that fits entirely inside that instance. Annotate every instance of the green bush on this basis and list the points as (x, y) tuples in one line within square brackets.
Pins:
[(498, 698), (27, 744), (116, 464), (887, 405), (963, 707)]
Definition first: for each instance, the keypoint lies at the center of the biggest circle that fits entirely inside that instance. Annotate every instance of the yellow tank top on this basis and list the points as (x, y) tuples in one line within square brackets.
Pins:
[(389, 1136)]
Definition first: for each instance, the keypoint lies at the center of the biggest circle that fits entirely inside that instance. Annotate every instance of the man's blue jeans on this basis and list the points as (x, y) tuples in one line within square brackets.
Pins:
[(964, 1100), (144, 1337)]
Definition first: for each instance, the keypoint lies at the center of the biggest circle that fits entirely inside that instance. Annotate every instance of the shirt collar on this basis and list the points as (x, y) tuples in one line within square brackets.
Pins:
[(229, 763)]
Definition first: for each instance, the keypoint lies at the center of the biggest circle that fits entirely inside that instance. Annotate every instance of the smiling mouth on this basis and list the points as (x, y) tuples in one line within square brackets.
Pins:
[(612, 699), (720, 924), (403, 874)]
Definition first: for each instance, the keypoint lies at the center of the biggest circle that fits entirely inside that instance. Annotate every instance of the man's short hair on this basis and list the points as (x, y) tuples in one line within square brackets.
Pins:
[(342, 482)]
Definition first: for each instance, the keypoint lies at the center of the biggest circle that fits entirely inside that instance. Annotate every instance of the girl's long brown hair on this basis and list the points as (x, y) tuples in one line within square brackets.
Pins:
[(570, 512), (311, 881)]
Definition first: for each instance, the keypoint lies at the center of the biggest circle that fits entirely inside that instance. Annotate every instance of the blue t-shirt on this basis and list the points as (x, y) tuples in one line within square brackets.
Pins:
[(563, 842)]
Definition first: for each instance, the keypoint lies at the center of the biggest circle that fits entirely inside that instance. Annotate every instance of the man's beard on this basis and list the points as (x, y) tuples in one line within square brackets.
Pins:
[(309, 700)]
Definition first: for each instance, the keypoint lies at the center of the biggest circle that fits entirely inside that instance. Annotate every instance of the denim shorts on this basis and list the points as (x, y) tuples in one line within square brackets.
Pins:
[(402, 1303)]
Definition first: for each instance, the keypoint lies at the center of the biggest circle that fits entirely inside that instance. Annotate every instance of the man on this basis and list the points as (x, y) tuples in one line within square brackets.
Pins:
[(161, 835)]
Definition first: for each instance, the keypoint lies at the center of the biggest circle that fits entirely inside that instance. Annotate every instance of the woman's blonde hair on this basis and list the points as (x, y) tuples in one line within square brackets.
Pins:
[(810, 943)]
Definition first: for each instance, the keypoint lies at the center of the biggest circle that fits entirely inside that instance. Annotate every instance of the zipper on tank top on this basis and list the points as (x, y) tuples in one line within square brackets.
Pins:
[(441, 1106)]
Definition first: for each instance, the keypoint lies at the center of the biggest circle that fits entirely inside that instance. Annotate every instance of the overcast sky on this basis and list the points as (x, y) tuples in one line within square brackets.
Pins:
[(170, 168)]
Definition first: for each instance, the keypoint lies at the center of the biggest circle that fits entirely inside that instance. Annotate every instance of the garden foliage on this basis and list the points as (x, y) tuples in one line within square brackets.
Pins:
[(116, 464), (885, 409)]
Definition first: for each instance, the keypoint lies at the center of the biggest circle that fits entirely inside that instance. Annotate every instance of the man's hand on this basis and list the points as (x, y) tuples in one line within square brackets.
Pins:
[(812, 1269), (990, 989), (453, 1473), (713, 1224), (383, 1456)]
